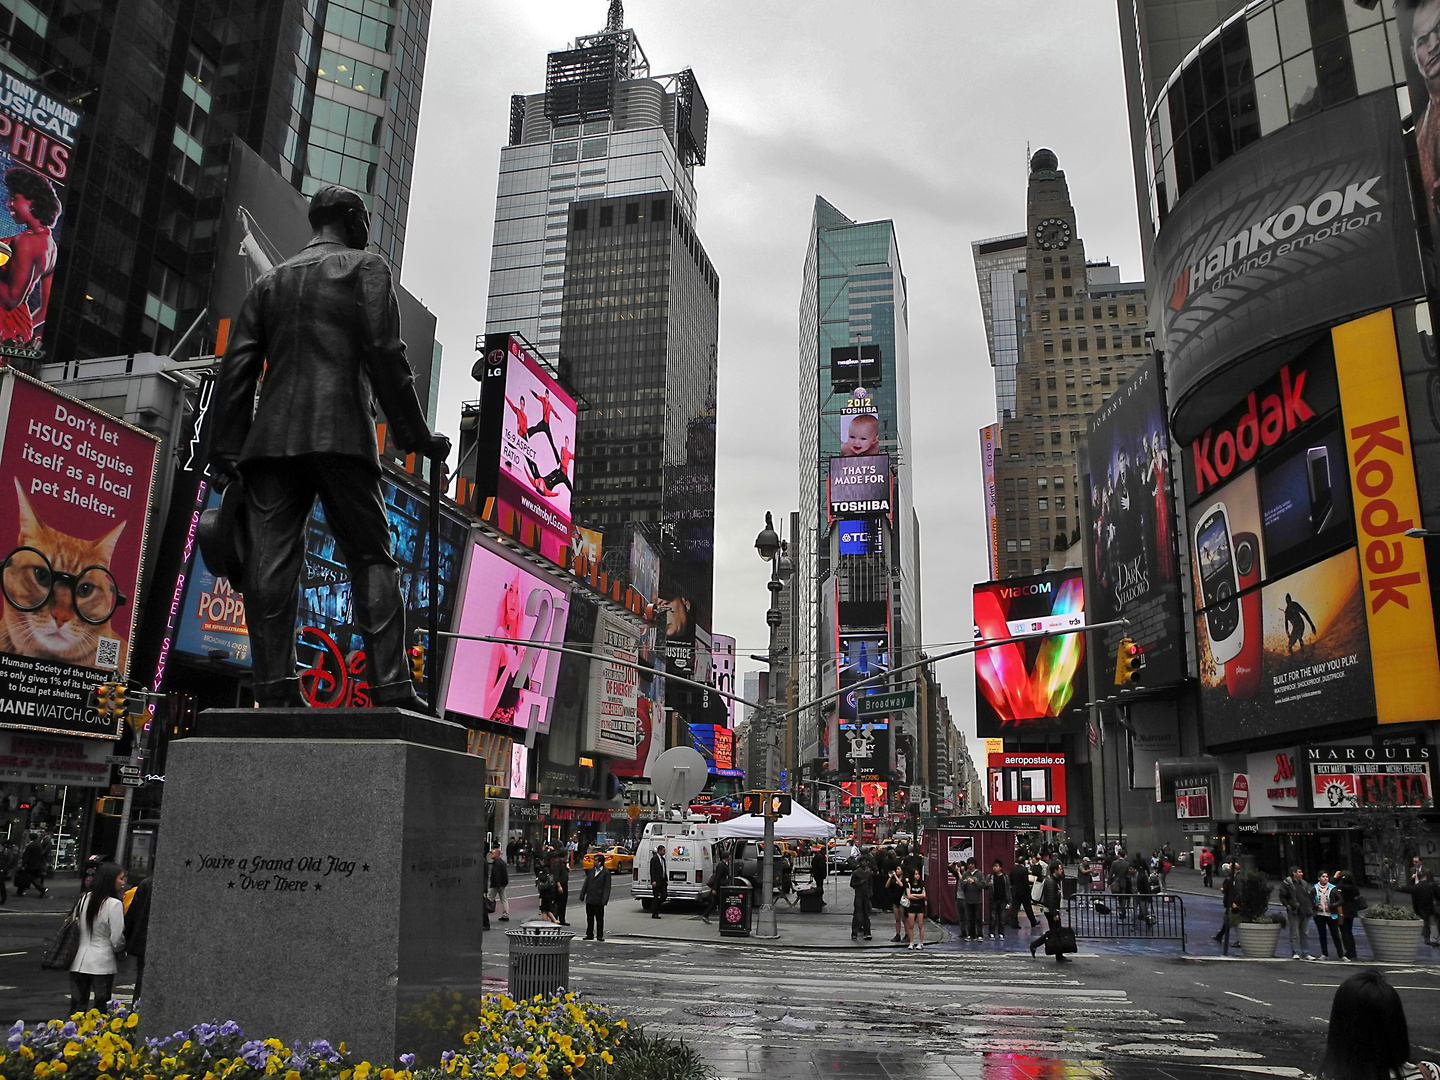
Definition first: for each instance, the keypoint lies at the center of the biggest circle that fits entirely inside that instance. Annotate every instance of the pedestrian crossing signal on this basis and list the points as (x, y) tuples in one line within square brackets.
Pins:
[(1129, 662), (780, 805), (416, 653)]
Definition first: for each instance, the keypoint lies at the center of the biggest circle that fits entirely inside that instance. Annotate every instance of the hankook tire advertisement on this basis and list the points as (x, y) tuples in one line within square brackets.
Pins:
[(1310, 226)]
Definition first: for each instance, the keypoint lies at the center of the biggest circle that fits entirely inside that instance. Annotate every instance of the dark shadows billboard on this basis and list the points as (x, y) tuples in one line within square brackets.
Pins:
[(1131, 520), (1308, 227)]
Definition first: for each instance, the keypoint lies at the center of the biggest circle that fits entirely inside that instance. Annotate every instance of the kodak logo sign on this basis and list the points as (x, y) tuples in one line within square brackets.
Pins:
[(1387, 502), (1264, 422)]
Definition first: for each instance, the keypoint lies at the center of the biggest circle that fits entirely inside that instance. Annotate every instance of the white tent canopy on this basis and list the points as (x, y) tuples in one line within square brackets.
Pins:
[(799, 823)]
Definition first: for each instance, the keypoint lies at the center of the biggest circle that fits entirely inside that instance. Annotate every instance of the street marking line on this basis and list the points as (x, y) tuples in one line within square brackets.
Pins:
[(1244, 997), (22, 952), (1397, 987)]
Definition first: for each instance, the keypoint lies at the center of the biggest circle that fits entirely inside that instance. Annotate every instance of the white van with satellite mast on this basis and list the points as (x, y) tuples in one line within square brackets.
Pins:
[(688, 846)]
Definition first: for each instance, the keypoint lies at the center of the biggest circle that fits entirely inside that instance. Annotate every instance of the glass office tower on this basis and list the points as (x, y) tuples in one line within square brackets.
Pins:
[(863, 594)]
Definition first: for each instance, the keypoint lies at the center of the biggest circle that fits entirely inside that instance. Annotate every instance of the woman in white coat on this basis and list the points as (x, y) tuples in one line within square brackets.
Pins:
[(101, 916)]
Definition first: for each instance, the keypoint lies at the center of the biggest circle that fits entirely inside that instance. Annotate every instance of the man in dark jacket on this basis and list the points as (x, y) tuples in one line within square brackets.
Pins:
[(33, 863), (1020, 895), (719, 878), (1422, 899), (1297, 898), (560, 871), (596, 894), (324, 329), (999, 899), (659, 884), (862, 880), (972, 901), (1051, 897), (1229, 904), (499, 882), (137, 930), (819, 867)]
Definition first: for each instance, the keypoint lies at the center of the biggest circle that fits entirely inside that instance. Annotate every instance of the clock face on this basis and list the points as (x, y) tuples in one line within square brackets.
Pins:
[(1052, 233)]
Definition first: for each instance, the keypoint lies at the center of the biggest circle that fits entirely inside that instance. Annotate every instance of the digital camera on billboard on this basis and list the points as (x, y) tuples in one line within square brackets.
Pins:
[(1242, 671), (1219, 584)]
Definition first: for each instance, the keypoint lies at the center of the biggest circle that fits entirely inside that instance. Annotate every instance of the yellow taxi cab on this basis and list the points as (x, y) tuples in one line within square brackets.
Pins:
[(617, 859)]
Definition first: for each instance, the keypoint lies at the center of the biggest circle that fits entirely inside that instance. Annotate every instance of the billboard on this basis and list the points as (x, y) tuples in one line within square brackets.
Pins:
[(858, 537), (859, 425), (875, 793), (854, 366), (1131, 518), (330, 650), (1030, 686), (525, 452), (859, 486), (989, 440), (1026, 785), (1311, 225), (37, 140), (507, 683), (612, 723), (722, 672), (717, 744), (860, 657), (1192, 798), (74, 507), (1346, 777), (1397, 580)]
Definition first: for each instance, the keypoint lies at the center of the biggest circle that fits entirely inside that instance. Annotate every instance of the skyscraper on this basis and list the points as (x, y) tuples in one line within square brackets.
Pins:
[(322, 90), (857, 572), (997, 262), (603, 127), (1081, 337), (597, 262)]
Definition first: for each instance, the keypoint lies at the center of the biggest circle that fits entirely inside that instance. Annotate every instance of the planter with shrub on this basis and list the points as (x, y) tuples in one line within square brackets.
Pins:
[(1394, 933), (1257, 930)]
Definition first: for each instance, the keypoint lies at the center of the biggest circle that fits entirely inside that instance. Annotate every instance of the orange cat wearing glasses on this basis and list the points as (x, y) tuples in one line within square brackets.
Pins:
[(56, 626)]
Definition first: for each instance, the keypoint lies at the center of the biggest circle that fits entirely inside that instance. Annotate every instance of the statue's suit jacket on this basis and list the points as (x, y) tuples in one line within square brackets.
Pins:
[(323, 328)]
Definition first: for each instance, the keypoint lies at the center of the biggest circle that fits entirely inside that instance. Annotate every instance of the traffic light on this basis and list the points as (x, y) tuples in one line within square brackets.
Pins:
[(106, 806), (117, 700), (1129, 662), (99, 699), (416, 653), (752, 802), (780, 804), (900, 796)]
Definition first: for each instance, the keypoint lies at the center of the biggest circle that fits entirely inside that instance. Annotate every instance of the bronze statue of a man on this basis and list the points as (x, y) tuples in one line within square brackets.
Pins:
[(321, 334)]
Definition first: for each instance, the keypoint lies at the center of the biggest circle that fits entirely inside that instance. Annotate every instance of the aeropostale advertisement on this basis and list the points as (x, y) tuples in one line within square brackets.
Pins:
[(73, 521)]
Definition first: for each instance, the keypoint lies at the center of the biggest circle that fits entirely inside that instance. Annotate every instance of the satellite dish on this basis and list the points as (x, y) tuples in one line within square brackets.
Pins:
[(678, 775)]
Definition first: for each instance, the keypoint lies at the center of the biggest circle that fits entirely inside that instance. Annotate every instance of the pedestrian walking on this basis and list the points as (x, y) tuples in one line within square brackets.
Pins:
[(1229, 905), (572, 847), (1422, 899), (512, 853), (862, 881), (913, 901), (1416, 871), (972, 897), (1120, 885), (1020, 895), (1348, 904), (1326, 926), (499, 884), (561, 874), (1369, 1038), (9, 858), (719, 878), (999, 888), (137, 930), (32, 864), (1207, 867), (595, 893), (659, 885), (1051, 895), (1296, 896), (549, 894), (101, 919)]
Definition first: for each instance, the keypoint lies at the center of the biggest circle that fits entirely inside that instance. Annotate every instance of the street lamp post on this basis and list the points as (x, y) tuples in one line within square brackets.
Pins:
[(771, 548)]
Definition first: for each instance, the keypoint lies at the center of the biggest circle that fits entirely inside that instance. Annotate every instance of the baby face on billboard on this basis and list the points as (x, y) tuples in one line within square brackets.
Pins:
[(862, 436)]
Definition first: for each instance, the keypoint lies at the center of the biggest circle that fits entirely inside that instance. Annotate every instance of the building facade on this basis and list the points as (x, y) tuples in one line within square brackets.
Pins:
[(1000, 276), (324, 91), (1081, 334), (857, 572)]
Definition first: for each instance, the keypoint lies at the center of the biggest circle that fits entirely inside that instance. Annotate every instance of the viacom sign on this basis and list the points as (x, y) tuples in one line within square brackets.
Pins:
[(1306, 228)]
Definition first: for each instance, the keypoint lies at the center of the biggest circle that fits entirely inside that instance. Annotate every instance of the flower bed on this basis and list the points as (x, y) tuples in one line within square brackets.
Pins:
[(543, 1038)]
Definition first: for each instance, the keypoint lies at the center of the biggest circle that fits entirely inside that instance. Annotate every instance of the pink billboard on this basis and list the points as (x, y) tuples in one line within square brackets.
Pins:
[(73, 519), (512, 682)]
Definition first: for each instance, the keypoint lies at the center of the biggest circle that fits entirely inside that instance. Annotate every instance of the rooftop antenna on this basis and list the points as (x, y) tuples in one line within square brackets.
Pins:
[(616, 19)]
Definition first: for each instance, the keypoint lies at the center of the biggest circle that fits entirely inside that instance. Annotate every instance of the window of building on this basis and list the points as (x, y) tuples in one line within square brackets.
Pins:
[(1042, 503), (607, 216), (1035, 402), (1009, 506), (1040, 483), (1025, 567), (1060, 524), (1012, 545), (1054, 401), (1050, 293), (1130, 311), (369, 23), (1059, 501), (1024, 483), (1069, 379), (1059, 483), (1049, 346), (1035, 383), (1012, 565), (1111, 312), (1069, 290), (1070, 400), (1054, 438), (347, 71), (1025, 544), (1050, 382), (1009, 483), (1044, 524), (1105, 379), (1085, 399), (1065, 271), (1039, 438), (1084, 378), (1049, 273)]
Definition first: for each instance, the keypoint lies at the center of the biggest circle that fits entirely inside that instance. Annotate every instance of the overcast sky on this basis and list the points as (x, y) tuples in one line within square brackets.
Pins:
[(916, 111)]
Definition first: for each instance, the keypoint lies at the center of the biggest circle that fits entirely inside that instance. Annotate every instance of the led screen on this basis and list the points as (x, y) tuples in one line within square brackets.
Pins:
[(506, 683), (1026, 785), (1030, 686), (860, 486)]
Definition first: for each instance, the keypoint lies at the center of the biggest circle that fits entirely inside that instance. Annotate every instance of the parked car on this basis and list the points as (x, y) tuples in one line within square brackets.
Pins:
[(842, 855)]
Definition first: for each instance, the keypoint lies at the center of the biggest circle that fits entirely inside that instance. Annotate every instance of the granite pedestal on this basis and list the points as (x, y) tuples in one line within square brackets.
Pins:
[(319, 875)]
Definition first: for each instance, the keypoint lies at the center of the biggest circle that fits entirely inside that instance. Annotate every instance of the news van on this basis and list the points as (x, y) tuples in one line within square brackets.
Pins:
[(689, 852)]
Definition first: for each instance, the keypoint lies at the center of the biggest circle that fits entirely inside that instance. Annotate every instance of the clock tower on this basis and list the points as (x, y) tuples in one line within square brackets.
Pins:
[(1081, 333)]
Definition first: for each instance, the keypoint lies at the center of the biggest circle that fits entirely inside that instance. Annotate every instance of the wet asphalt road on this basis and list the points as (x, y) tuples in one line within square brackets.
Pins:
[(953, 1010)]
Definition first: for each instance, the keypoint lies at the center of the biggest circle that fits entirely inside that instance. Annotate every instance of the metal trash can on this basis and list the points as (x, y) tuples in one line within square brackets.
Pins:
[(1068, 887), (539, 960), (735, 910)]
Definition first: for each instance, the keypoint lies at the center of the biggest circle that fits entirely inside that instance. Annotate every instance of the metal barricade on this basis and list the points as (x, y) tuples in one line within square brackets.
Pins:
[(1128, 916), (539, 960)]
